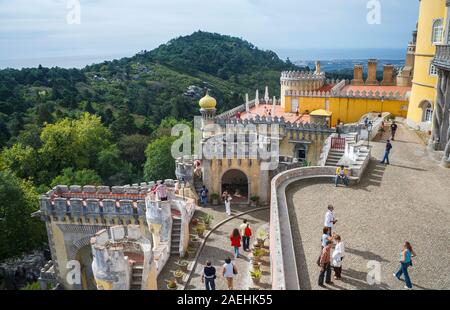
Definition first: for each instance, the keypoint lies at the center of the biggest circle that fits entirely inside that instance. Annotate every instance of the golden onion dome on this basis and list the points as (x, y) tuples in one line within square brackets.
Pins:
[(207, 102)]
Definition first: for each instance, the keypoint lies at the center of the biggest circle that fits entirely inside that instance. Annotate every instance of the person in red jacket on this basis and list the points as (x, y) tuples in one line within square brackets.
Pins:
[(236, 241)]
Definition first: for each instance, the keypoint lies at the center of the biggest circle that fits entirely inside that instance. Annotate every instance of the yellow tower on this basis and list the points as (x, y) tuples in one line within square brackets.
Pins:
[(430, 32)]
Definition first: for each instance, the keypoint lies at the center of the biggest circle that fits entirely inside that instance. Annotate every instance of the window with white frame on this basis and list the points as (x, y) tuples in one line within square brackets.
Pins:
[(438, 31), (433, 70)]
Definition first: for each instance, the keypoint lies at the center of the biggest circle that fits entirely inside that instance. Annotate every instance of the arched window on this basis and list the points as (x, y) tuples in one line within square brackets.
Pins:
[(428, 114), (438, 31)]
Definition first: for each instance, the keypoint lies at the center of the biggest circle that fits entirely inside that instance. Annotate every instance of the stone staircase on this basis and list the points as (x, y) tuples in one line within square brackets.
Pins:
[(176, 236), (334, 156), (136, 276)]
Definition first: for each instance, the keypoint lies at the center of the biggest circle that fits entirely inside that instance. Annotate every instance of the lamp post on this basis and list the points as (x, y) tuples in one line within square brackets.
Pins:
[(369, 131)]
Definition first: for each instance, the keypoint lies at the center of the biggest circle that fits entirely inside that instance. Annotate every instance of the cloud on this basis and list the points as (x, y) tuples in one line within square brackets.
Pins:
[(38, 28)]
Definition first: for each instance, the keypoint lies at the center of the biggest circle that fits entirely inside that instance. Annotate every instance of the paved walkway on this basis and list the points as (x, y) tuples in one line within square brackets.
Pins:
[(217, 248), (407, 200)]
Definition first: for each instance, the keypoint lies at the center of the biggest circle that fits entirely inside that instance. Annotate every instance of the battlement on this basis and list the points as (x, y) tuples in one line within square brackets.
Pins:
[(300, 75), (96, 201)]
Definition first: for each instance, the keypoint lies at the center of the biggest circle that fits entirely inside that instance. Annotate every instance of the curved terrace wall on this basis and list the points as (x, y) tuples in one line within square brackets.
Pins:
[(282, 254)]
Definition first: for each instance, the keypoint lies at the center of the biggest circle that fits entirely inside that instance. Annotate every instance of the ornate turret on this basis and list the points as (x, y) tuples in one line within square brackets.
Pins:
[(208, 110)]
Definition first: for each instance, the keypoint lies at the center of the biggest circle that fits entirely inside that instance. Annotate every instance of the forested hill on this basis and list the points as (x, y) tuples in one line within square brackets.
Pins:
[(110, 123)]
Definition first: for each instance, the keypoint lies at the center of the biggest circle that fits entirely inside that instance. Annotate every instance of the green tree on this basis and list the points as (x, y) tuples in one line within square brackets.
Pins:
[(159, 164), (79, 177), (132, 149), (19, 232)]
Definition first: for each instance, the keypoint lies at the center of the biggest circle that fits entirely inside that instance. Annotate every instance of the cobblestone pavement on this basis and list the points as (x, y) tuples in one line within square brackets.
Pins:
[(217, 248), (407, 200)]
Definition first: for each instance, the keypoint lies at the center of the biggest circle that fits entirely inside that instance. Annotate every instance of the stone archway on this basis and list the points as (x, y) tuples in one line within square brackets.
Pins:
[(236, 183), (84, 257)]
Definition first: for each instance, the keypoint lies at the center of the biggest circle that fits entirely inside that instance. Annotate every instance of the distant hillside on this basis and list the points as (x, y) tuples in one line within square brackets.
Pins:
[(150, 86)]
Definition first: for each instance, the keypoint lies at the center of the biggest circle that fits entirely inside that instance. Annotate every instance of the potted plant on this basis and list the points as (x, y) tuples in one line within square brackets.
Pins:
[(256, 276), (172, 284), (182, 264), (207, 219), (179, 274), (254, 201), (256, 265), (215, 198), (261, 236), (200, 229), (195, 221), (257, 253)]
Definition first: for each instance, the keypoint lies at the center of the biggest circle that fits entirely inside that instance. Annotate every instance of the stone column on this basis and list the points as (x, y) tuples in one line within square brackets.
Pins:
[(441, 116)]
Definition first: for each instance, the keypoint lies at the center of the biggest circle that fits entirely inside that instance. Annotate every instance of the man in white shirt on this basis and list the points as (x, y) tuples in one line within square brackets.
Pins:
[(329, 219)]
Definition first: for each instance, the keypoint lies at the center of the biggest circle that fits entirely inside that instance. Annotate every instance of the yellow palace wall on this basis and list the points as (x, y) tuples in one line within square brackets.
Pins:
[(348, 110), (423, 83)]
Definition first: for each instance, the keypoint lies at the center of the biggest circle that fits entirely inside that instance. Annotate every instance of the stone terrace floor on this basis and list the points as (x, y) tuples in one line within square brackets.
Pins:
[(407, 200), (218, 247)]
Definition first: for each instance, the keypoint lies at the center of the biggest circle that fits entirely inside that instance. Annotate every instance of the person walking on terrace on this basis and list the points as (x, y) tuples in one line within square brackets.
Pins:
[(229, 271), (406, 256), (203, 195), (235, 239), (393, 130), (329, 219), (387, 151), (323, 242), (325, 266), (209, 277), (341, 174), (161, 189), (246, 233), (227, 199), (337, 257)]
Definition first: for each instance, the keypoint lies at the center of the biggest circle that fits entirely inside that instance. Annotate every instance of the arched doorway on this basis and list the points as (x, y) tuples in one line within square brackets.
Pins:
[(235, 182)]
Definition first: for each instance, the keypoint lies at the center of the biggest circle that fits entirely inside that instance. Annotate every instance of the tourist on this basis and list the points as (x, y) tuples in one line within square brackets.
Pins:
[(209, 277), (366, 121), (229, 272), (337, 257), (238, 115), (235, 239), (393, 130), (341, 174), (228, 204), (387, 151), (325, 266), (203, 196), (161, 189), (245, 240), (406, 256), (323, 241), (329, 219)]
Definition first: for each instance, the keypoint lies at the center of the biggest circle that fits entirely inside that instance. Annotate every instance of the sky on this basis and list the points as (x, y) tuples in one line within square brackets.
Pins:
[(38, 31)]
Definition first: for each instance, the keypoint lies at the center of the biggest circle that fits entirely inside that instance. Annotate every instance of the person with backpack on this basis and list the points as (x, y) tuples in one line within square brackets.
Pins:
[(406, 256), (229, 271), (246, 235), (209, 277), (387, 151)]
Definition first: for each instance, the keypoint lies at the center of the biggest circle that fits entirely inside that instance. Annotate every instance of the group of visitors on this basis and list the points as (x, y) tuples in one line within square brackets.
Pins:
[(239, 237), (229, 271), (332, 257), (329, 258)]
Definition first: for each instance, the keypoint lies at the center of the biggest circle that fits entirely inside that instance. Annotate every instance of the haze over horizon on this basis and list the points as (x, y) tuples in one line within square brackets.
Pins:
[(34, 32)]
